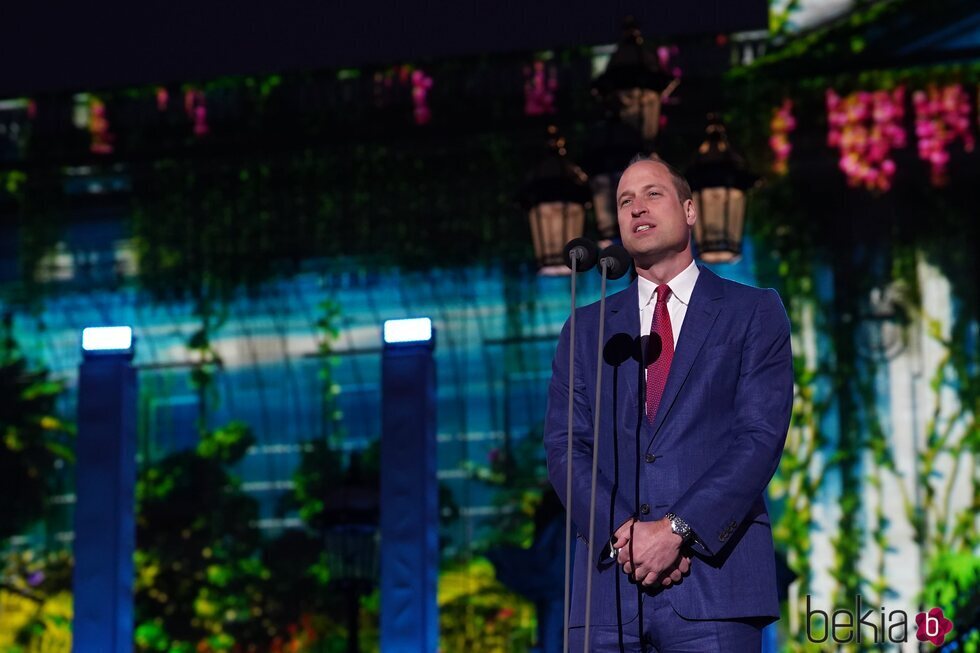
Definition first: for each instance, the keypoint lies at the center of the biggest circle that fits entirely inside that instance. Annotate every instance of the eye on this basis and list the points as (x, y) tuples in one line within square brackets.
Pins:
[(624, 202), (653, 192)]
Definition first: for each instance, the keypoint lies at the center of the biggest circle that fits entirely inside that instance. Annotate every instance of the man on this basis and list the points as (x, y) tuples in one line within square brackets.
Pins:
[(697, 389)]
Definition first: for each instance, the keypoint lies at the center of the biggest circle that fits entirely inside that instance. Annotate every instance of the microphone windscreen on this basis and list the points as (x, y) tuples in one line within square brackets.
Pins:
[(619, 349), (584, 250), (616, 260)]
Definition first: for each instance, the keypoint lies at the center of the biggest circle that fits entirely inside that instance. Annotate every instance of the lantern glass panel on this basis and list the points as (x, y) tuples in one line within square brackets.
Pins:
[(604, 200), (721, 218), (640, 109), (552, 225)]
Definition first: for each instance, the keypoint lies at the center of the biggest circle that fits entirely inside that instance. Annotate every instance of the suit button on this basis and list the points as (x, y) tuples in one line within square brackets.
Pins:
[(645, 509), (650, 458)]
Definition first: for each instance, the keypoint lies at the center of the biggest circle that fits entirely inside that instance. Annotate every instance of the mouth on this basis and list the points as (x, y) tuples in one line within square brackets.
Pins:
[(640, 228)]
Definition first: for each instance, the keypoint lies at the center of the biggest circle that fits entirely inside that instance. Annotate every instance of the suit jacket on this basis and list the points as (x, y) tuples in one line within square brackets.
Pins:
[(713, 446)]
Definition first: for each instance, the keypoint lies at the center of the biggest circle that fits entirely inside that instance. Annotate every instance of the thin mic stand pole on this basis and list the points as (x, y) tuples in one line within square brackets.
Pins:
[(568, 471), (603, 263), (580, 253)]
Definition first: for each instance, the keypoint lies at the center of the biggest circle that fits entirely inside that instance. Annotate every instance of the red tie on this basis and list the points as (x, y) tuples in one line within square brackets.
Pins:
[(660, 352)]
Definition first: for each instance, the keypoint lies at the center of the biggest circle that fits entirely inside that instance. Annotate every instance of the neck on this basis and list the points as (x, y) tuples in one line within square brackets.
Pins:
[(660, 272)]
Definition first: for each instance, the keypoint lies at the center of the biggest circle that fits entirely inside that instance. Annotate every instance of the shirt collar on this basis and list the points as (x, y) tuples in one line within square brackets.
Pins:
[(681, 286)]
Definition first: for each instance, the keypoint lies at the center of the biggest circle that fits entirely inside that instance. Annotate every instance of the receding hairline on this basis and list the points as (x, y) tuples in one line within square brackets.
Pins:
[(681, 187)]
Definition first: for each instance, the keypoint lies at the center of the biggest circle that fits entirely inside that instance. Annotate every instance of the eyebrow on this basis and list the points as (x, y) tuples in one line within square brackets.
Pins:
[(647, 187)]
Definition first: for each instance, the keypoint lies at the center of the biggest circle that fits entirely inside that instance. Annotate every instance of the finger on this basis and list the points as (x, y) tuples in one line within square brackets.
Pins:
[(628, 567), (642, 570), (624, 555), (666, 581), (684, 565), (676, 576), (622, 534), (649, 580)]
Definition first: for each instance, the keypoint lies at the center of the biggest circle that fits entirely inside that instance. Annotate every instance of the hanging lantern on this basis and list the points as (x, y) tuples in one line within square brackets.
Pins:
[(634, 85), (610, 147), (604, 200), (719, 181), (555, 198)]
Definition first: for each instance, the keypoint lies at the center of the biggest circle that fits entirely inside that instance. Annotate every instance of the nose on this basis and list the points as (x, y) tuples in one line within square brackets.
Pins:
[(637, 209)]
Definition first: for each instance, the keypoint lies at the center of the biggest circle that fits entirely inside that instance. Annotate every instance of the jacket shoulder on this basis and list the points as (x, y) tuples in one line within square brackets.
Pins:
[(616, 301), (743, 292)]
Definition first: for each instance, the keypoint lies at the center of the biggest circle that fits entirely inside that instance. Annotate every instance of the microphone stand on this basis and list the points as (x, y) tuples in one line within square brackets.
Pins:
[(576, 251), (613, 263)]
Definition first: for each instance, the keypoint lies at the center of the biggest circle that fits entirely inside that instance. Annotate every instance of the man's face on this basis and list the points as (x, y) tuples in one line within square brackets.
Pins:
[(653, 222)]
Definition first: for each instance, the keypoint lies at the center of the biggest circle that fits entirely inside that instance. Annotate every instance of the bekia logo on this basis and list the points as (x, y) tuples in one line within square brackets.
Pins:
[(874, 625), (933, 626)]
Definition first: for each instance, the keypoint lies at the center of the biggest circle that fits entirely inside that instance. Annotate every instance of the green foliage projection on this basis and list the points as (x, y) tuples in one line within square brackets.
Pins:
[(199, 575), (827, 247), (34, 441)]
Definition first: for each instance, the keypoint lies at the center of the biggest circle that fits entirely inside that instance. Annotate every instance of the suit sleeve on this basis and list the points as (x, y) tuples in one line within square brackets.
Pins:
[(556, 445), (715, 505)]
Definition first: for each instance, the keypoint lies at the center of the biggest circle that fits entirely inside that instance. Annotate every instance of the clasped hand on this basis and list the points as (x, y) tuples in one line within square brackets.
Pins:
[(650, 552)]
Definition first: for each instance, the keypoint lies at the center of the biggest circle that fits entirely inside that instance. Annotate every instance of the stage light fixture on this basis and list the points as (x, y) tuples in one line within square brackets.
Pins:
[(107, 340), (413, 330)]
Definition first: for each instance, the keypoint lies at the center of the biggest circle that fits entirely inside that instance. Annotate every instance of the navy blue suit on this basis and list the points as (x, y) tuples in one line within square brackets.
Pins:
[(714, 445)]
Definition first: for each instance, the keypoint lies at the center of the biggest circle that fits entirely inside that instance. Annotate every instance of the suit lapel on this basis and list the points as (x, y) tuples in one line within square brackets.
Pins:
[(624, 317), (700, 317)]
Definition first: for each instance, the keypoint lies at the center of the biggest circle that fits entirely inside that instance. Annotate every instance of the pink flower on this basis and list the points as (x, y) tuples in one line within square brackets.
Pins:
[(939, 158), (865, 126), (200, 121), (98, 126), (781, 125), (942, 117), (195, 105), (539, 85), (421, 83)]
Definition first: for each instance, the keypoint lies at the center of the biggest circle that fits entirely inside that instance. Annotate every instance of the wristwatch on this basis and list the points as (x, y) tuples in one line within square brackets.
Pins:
[(680, 527)]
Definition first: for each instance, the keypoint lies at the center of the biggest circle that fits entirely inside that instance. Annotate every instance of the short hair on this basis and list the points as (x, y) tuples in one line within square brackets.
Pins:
[(681, 187)]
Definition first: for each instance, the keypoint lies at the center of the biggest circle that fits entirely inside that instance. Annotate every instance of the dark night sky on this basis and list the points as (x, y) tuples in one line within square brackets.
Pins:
[(88, 46)]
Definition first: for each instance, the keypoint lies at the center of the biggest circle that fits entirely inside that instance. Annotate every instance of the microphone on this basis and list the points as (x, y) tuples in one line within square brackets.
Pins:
[(616, 261), (580, 254)]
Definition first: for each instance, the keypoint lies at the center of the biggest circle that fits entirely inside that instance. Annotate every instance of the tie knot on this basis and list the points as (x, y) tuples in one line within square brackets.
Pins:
[(663, 292)]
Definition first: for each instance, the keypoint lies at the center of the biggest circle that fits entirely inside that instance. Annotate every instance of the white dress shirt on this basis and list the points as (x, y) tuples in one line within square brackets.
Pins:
[(681, 288)]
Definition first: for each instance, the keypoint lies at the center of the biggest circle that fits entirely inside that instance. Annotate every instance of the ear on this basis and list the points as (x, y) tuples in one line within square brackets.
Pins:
[(690, 212)]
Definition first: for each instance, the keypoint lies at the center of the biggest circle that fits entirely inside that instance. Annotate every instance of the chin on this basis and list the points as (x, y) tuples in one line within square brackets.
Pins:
[(648, 255)]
